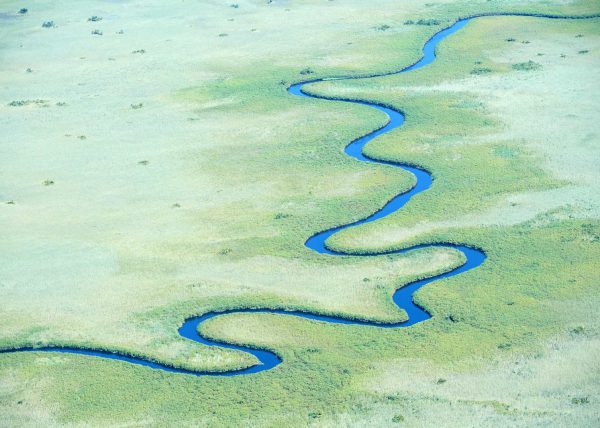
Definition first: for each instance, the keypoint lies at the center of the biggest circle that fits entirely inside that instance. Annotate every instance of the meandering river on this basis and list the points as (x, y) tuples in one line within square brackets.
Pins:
[(403, 297)]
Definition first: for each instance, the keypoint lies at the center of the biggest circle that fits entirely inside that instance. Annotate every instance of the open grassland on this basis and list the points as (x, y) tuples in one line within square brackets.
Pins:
[(160, 170)]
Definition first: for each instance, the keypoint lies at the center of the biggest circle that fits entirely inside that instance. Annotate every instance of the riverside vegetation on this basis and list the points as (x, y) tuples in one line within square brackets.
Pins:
[(101, 259)]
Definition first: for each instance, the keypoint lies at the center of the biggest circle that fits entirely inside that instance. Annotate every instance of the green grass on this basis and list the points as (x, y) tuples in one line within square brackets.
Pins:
[(103, 259)]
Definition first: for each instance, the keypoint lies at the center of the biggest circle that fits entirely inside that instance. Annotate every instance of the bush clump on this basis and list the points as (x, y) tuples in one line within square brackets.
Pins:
[(578, 330), (426, 22), (94, 18), (527, 66), (481, 70), (315, 414), (21, 103)]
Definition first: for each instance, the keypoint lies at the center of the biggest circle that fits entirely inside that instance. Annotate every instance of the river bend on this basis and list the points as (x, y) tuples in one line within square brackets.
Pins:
[(403, 297)]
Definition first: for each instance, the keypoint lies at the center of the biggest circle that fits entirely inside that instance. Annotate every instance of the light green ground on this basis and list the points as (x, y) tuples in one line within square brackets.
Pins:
[(116, 253)]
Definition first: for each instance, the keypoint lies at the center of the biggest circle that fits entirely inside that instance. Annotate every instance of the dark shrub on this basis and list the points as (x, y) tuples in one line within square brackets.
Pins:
[(397, 419), (481, 70), (527, 66), (427, 22)]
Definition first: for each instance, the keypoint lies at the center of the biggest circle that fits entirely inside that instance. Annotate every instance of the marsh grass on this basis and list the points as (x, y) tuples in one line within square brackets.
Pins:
[(120, 269)]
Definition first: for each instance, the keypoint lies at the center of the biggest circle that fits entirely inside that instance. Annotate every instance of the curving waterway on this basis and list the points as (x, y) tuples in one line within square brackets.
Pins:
[(403, 297)]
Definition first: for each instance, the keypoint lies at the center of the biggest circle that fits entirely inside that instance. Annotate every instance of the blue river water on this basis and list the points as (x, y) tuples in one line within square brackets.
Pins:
[(403, 297)]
